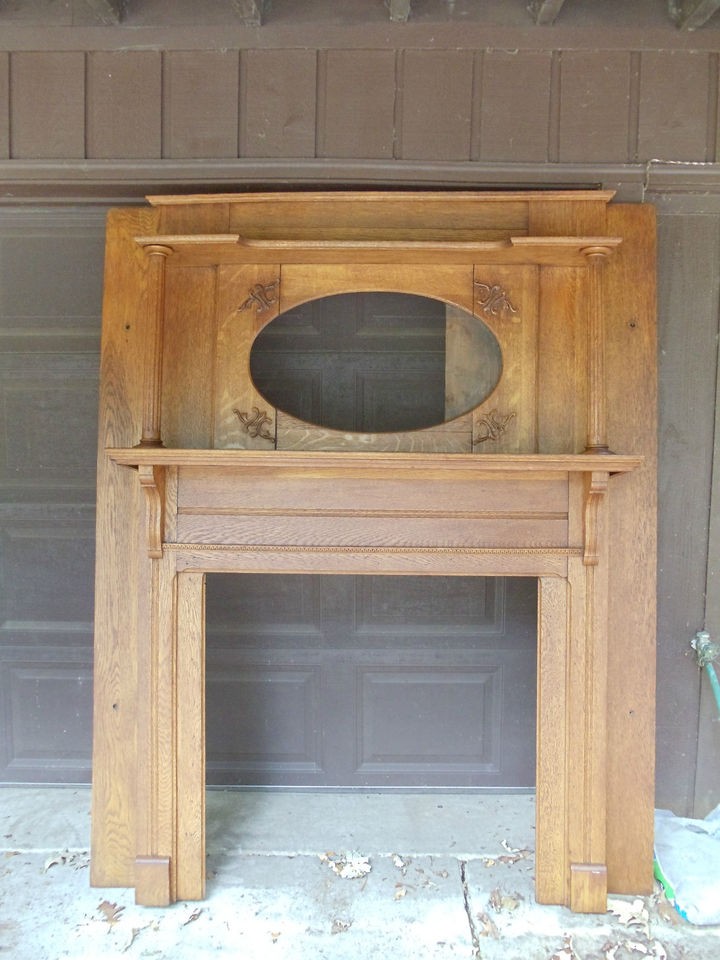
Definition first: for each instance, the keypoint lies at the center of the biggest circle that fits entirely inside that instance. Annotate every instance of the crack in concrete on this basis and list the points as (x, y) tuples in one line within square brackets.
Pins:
[(474, 937)]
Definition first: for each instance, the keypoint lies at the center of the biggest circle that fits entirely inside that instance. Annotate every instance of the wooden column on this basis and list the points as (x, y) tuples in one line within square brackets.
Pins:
[(157, 255), (597, 394)]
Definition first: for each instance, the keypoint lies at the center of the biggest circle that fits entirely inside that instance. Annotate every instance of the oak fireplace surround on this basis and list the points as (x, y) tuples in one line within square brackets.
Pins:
[(551, 476)]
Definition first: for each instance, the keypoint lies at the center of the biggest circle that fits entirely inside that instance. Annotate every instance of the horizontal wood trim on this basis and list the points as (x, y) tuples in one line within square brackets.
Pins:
[(291, 460), (650, 29), (120, 181), (399, 561), (211, 250), (318, 530)]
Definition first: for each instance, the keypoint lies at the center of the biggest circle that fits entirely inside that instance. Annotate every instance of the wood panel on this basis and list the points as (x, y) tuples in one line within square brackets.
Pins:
[(561, 407), (631, 347), (47, 103), (506, 299), (594, 106), (674, 103), (126, 86), (688, 254), (4, 106), (189, 358), (278, 90), (436, 90), (515, 107), (242, 417), (200, 103), (356, 104), (452, 437), (707, 787), (115, 676)]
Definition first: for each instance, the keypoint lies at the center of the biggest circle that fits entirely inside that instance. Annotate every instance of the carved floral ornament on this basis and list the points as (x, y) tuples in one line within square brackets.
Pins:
[(254, 423), (493, 301), (493, 425), (261, 297)]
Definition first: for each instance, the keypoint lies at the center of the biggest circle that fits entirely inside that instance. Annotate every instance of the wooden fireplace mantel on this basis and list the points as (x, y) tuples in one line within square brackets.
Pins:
[(185, 491)]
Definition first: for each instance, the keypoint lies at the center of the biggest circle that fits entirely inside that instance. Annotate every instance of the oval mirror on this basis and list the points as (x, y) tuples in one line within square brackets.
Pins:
[(375, 362)]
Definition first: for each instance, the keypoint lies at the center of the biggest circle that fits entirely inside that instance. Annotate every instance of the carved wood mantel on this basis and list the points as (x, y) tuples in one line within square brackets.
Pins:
[(193, 479)]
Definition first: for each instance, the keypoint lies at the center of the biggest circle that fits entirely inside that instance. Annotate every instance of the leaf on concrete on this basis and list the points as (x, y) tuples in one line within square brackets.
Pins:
[(631, 913), (193, 916), (111, 912), (501, 902), (566, 952), (79, 859), (348, 867), (487, 926), (649, 948), (400, 863)]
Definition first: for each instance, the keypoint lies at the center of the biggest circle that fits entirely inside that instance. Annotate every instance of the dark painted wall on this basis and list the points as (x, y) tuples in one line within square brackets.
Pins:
[(90, 113)]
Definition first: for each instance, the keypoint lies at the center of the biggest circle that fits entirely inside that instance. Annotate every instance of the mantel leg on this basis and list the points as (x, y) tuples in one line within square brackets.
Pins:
[(156, 816), (587, 706), (157, 255), (170, 861)]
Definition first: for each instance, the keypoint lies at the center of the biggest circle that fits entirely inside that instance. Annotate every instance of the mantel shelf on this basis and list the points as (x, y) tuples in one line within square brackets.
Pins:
[(208, 249), (352, 460)]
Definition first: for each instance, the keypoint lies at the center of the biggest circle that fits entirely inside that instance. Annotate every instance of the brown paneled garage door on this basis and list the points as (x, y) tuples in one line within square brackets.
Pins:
[(371, 681), (312, 680)]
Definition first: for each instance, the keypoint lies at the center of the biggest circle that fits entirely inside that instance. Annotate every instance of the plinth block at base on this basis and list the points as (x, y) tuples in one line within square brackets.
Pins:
[(588, 887), (152, 881)]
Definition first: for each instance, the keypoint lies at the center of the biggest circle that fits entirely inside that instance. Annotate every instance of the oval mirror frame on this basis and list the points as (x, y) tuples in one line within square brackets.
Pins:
[(375, 363)]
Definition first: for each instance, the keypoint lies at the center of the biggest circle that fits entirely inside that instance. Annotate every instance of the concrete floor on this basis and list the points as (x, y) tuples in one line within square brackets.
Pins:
[(298, 875)]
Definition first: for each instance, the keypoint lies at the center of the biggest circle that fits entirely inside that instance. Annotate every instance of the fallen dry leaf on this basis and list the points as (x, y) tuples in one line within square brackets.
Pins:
[(566, 952), (111, 912), (193, 916), (487, 926), (508, 858), (350, 867), (651, 948), (400, 863), (500, 901), (630, 913), (77, 859)]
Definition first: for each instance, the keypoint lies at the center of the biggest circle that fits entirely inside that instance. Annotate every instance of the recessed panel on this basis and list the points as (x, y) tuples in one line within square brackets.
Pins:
[(261, 721), (440, 720), (46, 701)]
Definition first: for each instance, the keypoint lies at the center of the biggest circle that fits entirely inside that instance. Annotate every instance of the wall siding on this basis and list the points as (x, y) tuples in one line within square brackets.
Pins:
[(47, 105), (278, 102), (128, 88), (567, 106), (381, 106)]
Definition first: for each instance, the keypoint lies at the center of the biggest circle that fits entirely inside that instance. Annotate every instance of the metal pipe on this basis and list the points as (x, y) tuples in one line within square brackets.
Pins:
[(707, 651)]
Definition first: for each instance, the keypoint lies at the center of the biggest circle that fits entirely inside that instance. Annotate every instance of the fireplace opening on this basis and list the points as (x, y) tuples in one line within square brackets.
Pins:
[(379, 683)]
